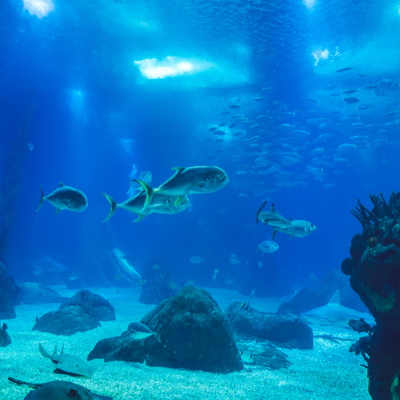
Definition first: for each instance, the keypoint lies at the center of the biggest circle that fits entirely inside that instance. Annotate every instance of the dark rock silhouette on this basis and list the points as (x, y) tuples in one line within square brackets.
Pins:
[(376, 279), (287, 331), (80, 313), (194, 333)]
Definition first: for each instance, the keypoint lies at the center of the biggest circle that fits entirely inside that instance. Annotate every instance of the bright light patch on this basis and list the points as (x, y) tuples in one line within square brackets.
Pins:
[(151, 68), (40, 8), (320, 55), (309, 3)]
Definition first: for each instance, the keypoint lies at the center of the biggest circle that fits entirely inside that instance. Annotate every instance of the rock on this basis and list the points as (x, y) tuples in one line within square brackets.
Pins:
[(66, 321), (287, 331), (5, 339), (93, 304), (194, 332), (307, 299), (10, 293), (6, 306), (37, 293), (357, 248), (119, 348), (347, 266)]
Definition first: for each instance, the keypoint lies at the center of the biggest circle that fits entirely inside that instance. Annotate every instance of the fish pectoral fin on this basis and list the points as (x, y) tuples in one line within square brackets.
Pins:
[(41, 199), (58, 210), (139, 218), (178, 200), (61, 184)]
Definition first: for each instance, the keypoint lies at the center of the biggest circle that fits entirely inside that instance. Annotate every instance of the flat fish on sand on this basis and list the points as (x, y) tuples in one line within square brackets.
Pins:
[(68, 363), (59, 390), (65, 198)]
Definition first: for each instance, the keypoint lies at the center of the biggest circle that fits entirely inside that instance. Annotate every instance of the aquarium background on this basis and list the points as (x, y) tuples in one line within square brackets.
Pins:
[(77, 83)]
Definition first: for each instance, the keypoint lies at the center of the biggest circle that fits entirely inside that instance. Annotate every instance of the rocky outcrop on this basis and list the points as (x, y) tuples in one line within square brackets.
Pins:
[(287, 331), (194, 334), (80, 313), (10, 293), (93, 304)]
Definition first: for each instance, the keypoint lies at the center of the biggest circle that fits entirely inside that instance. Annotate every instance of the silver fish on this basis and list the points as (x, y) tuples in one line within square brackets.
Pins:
[(65, 198), (299, 228), (139, 331), (47, 264)]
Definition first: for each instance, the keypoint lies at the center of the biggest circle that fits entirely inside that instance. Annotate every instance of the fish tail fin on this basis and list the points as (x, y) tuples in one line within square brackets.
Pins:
[(41, 199), (139, 218), (149, 192), (113, 206), (43, 352)]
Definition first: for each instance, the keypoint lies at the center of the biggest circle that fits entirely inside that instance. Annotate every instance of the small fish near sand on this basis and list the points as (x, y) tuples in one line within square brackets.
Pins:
[(197, 260), (65, 198), (59, 390), (139, 331), (68, 363)]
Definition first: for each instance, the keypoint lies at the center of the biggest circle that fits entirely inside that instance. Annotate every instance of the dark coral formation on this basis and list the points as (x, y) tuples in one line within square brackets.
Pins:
[(194, 333), (375, 277)]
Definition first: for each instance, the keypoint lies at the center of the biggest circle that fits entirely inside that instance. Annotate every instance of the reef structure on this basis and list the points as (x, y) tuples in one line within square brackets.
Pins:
[(374, 269)]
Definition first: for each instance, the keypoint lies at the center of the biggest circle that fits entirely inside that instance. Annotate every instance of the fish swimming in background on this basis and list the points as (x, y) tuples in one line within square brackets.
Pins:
[(299, 228), (197, 260), (141, 282), (47, 264), (214, 276), (344, 69), (234, 259), (246, 356), (268, 246), (139, 331), (252, 294), (272, 217), (192, 180), (65, 198)]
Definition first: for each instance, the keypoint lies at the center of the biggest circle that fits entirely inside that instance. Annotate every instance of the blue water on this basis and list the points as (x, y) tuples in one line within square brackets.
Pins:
[(93, 114)]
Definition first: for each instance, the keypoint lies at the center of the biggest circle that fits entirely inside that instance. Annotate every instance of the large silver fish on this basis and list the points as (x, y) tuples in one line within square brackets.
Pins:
[(139, 331), (298, 227), (65, 198), (47, 264), (194, 180), (148, 202)]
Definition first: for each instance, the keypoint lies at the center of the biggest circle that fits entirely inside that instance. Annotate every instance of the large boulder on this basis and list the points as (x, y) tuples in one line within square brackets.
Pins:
[(93, 304), (194, 334), (66, 321), (80, 313), (287, 331), (5, 339)]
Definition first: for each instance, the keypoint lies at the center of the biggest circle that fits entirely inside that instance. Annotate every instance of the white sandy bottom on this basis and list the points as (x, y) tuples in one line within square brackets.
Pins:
[(328, 371)]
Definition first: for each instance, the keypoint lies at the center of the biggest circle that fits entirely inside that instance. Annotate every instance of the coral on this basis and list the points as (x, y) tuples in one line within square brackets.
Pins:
[(348, 265)]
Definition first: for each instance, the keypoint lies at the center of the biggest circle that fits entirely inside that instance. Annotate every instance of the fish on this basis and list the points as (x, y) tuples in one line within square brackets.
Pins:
[(141, 282), (245, 305), (117, 277), (68, 363), (59, 390), (147, 202), (47, 264), (197, 260), (344, 69), (234, 106), (234, 259), (193, 180), (334, 313), (268, 246), (139, 331), (272, 217), (65, 198), (350, 100), (299, 228), (252, 294), (215, 273), (124, 266), (246, 356)]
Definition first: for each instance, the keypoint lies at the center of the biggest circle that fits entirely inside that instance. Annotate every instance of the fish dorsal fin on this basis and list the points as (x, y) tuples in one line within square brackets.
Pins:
[(55, 350), (335, 299), (61, 184), (178, 169), (273, 211)]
